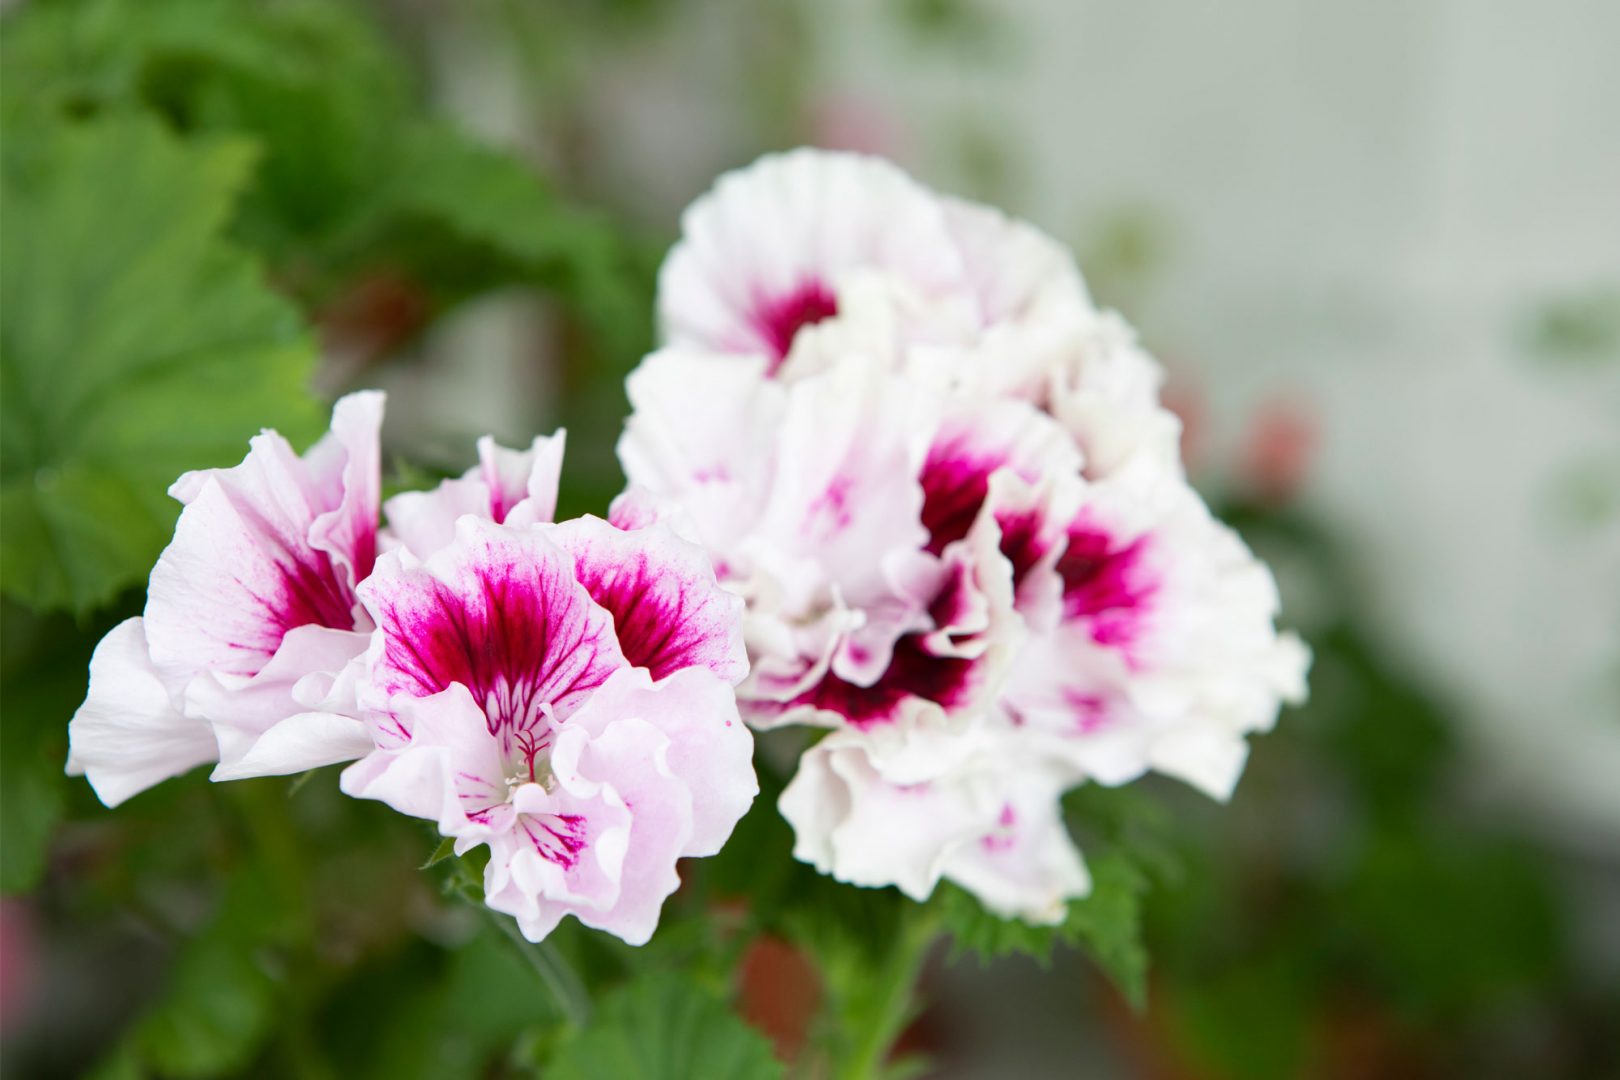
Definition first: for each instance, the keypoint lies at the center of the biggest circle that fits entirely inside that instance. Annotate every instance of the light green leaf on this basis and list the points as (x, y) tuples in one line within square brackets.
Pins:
[(664, 1027), (134, 345), (445, 849)]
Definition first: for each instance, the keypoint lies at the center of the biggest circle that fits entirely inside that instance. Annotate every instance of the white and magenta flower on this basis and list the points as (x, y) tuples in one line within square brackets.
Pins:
[(250, 620), (765, 253), (1165, 656), (944, 483), (562, 694)]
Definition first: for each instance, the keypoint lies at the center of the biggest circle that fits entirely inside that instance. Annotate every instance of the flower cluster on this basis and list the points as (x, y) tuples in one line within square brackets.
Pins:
[(562, 693), (943, 482)]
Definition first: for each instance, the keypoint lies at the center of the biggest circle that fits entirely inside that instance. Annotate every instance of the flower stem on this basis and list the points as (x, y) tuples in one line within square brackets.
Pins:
[(557, 974), (886, 1004)]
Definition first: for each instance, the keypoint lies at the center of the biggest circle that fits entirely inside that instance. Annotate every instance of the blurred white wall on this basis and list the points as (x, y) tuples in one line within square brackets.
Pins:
[(1365, 204)]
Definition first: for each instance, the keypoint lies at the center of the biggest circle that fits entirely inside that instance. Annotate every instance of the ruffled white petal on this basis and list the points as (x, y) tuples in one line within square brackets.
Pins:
[(131, 732), (518, 487)]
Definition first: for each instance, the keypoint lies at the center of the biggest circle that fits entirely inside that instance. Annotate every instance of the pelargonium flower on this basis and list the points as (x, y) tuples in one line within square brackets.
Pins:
[(563, 695), (954, 504), (250, 619), (807, 256)]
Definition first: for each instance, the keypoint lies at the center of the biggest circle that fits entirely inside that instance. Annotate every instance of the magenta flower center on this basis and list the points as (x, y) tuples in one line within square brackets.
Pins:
[(314, 593), (520, 651), (779, 321)]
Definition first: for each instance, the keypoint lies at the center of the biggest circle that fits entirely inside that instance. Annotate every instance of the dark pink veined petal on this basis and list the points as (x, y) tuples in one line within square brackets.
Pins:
[(668, 610), (1029, 454), (1106, 582), (913, 673), (499, 612), (955, 481)]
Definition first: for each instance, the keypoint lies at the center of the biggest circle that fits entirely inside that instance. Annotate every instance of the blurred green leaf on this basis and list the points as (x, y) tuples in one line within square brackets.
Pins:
[(355, 177), (42, 680), (1250, 1021), (220, 1004), (664, 1027), (135, 345), (308, 80), (1577, 330), (1451, 922)]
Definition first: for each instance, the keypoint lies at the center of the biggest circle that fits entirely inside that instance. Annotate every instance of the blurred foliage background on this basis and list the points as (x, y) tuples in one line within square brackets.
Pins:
[(219, 215)]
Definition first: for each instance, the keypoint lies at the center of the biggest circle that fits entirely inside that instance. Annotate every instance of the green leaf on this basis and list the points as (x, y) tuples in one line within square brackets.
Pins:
[(1107, 924), (42, 680), (445, 850), (135, 345), (356, 178), (31, 799), (220, 1004), (664, 1027), (465, 217)]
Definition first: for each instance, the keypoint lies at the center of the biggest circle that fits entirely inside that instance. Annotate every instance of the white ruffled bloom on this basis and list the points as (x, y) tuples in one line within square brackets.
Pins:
[(251, 620), (944, 484)]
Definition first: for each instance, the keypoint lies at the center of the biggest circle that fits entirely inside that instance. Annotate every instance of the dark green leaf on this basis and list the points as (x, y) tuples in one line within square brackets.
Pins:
[(41, 683), (135, 346), (220, 1003), (1107, 924), (664, 1027)]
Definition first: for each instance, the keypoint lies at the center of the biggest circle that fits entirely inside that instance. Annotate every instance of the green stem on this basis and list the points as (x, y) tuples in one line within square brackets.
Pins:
[(886, 1006), (557, 974)]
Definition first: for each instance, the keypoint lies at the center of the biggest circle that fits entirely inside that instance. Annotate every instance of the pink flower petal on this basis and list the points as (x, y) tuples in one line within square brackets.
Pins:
[(668, 610)]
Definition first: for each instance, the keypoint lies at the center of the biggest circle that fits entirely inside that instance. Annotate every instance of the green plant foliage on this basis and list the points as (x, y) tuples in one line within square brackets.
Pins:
[(1126, 836), (41, 679), (1107, 925), (663, 1027), (136, 345), (355, 177), (220, 1003)]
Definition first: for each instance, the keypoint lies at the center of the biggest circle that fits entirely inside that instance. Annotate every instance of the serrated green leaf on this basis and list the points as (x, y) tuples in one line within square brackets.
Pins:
[(1107, 924), (465, 216), (664, 1027), (355, 175), (135, 345)]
